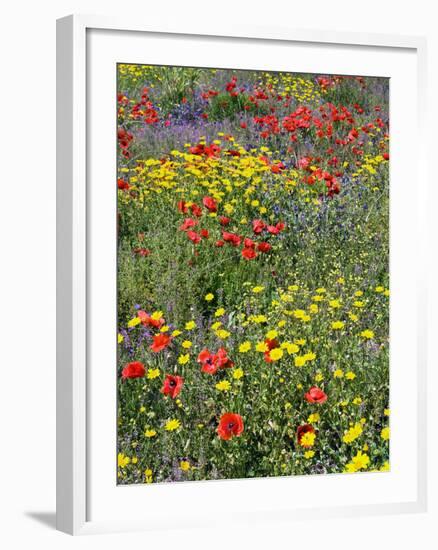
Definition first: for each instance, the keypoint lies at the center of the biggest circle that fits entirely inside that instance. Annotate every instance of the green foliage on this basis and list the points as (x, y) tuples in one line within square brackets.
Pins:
[(175, 83), (225, 105), (321, 292)]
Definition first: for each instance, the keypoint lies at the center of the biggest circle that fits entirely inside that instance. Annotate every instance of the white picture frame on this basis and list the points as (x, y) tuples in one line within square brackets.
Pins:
[(73, 277)]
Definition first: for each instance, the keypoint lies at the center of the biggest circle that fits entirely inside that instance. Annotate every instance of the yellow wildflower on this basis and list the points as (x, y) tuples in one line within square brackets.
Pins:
[(258, 289), (184, 359), (122, 460), (245, 347), (360, 461), (308, 439), (290, 348), (153, 373), (352, 433), (237, 373), (262, 346), (223, 385), (172, 425), (276, 354)]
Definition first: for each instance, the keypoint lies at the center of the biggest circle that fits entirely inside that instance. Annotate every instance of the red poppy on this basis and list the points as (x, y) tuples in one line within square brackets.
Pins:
[(212, 362), (124, 138), (248, 243), (133, 370), (304, 162), (142, 251), (208, 361), (147, 320), (220, 243), (187, 224), (231, 238), (258, 226), (304, 429), (182, 207), (197, 149), (223, 220), (160, 342), (231, 84), (204, 233), (264, 247), (210, 204), (353, 134), (277, 168), (222, 360), (194, 237), (249, 253), (196, 210), (212, 150), (334, 187), (230, 425), (324, 82), (123, 185), (273, 229), (172, 385), (315, 395)]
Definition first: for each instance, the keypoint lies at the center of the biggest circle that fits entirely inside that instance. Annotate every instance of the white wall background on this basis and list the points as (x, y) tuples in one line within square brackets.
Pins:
[(27, 304)]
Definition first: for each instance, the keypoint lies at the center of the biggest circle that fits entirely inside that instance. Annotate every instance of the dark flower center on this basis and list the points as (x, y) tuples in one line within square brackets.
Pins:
[(231, 425), (172, 383)]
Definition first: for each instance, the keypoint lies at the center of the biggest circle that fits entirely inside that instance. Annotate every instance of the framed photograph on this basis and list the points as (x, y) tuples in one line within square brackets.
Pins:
[(241, 220)]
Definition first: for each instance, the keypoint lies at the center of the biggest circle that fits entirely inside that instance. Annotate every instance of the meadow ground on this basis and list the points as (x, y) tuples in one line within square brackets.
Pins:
[(253, 284)]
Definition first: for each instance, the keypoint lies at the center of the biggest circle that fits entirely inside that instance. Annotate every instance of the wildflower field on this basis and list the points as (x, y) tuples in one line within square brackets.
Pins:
[(253, 283)]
